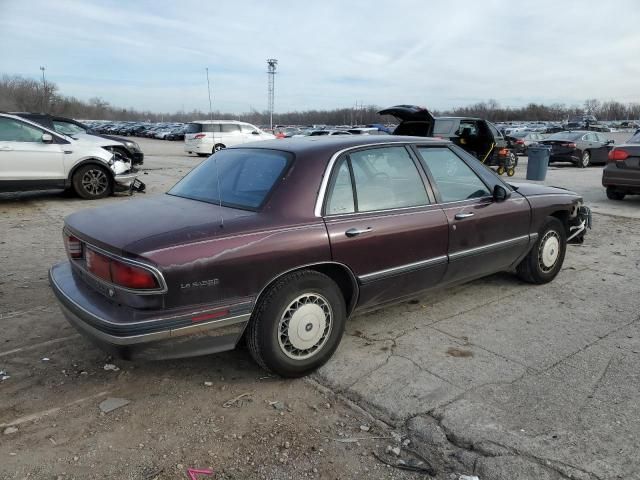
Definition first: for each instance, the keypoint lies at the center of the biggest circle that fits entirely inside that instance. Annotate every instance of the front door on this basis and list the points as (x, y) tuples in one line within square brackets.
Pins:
[(25, 158), (485, 236), (383, 225)]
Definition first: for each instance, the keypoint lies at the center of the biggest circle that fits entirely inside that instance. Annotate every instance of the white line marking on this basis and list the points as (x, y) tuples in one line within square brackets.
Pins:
[(37, 345)]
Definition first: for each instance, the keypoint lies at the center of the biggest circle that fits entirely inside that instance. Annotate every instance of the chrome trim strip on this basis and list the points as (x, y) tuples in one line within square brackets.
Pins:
[(332, 161), (489, 247), (154, 271), (431, 262)]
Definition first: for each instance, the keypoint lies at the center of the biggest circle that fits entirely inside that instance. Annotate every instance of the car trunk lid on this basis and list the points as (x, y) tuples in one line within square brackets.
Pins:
[(414, 120), (148, 224)]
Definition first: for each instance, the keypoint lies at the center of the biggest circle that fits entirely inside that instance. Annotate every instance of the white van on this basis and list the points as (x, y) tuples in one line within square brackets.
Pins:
[(205, 137)]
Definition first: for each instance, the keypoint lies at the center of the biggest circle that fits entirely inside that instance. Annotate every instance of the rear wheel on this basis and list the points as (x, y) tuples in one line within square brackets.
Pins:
[(92, 182), (217, 147), (615, 194), (544, 261), (297, 324), (501, 170), (585, 160)]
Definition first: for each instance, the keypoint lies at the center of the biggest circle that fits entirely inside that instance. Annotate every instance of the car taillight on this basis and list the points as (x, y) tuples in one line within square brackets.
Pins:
[(73, 246), (120, 273), (98, 264), (569, 145), (617, 155), (520, 142), (200, 135)]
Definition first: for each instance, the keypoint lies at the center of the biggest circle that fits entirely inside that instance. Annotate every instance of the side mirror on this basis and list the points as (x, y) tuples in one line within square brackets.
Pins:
[(255, 132), (500, 194), (610, 142), (47, 138)]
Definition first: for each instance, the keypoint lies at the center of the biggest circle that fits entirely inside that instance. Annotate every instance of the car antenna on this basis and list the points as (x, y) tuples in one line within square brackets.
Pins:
[(215, 160)]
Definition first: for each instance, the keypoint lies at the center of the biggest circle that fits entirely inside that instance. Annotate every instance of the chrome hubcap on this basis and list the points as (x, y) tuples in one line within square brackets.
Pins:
[(549, 251), (95, 181), (305, 326)]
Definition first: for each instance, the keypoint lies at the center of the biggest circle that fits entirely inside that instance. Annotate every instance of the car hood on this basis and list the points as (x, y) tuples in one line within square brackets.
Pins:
[(532, 189), (143, 225)]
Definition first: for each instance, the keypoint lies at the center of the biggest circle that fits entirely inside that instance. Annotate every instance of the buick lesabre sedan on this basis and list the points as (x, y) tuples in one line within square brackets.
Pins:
[(280, 242)]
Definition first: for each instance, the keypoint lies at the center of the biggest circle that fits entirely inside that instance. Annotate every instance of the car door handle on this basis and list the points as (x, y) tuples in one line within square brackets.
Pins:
[(354, 232), (462, 216)]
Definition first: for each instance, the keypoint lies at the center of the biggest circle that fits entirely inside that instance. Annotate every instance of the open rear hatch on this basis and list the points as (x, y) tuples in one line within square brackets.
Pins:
[(414, 120)]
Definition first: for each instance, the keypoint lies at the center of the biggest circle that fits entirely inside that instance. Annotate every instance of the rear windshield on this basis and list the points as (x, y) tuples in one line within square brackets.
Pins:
[(564, 136), (238, 178)]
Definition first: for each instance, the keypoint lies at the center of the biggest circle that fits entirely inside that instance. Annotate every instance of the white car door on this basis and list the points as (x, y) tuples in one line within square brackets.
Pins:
[(230, 135), (24, 156)]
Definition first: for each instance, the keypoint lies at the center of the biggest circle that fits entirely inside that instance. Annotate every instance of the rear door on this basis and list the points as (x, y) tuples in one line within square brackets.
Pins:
[(485, 236), (25, 158), (601, 148), (598, 150), (384, 225), (230, 135)]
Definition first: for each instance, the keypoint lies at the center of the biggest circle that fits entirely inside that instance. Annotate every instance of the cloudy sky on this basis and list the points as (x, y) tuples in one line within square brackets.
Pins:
[(152, 54)]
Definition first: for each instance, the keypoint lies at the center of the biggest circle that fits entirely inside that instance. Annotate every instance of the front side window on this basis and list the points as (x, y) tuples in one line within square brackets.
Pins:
[(386, 178), (15, 131), (247, 128), (238, 178), (455, 180)]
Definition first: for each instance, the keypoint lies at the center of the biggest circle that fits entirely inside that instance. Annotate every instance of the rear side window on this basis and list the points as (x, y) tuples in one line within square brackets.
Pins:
[(386, 178), (211, 127), (230, 128), (455, 180), (442, 126), (340, 198), (237, 178)]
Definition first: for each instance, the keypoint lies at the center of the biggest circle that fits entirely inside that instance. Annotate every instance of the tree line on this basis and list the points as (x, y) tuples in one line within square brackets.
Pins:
[(22, 94)]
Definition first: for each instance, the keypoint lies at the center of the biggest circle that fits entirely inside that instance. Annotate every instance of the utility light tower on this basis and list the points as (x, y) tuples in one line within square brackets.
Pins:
[(272, 63)]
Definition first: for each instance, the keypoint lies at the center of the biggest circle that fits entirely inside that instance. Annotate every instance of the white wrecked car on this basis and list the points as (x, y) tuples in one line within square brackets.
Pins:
[(33, 157)]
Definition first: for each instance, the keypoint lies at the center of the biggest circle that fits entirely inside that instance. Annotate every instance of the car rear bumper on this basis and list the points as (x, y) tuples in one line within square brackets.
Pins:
[(107, 325), (199, 147), (612, 176)]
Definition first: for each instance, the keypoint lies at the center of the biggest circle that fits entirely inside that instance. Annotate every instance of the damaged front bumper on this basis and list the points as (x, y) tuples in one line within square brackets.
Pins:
[(579, 224), (125, 178)]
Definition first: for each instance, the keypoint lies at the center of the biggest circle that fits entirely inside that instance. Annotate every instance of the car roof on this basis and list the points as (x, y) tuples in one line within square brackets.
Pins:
[(220, 121), (458, 118), (330, 145)]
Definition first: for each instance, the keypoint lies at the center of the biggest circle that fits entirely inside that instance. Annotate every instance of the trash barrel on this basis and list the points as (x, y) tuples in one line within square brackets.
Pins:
[(538, 162)]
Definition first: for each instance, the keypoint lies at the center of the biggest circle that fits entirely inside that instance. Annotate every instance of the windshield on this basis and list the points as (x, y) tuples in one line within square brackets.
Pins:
[(67, 128), (564, 136), (240, 178)]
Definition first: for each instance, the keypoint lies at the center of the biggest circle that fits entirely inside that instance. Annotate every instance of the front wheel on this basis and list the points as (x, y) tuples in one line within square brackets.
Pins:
[(92, 182), (543, 263), (297, 324)]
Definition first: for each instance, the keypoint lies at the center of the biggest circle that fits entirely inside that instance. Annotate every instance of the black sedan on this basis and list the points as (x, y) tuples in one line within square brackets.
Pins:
[(519, 142), (579, 147), (621, 176)]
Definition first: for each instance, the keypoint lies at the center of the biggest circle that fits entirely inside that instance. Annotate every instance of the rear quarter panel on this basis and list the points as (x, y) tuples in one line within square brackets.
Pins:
[(236, 268)]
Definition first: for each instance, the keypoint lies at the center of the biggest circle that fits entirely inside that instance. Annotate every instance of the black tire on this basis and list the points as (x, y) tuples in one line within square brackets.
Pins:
[(269, 334), (92, 182), (203, 154), (615, 194), (585, 159), (217, 147), (537, 266)]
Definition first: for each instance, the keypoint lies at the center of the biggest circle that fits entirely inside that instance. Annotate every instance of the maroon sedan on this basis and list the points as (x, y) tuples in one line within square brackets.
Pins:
[(280, 242)]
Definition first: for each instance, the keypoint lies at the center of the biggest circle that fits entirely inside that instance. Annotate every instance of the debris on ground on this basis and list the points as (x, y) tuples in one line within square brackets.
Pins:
[(111, 404), (208, 384), (236, 401), (111, 367), (416, 463), (468, 477), (4, 376), (365, 428), (45, 359), (278, 405), (394, 450), (10, 430)]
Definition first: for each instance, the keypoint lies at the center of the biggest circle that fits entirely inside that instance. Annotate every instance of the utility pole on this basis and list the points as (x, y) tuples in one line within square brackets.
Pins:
[(44, 90), (272, 63), (209, 90)]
